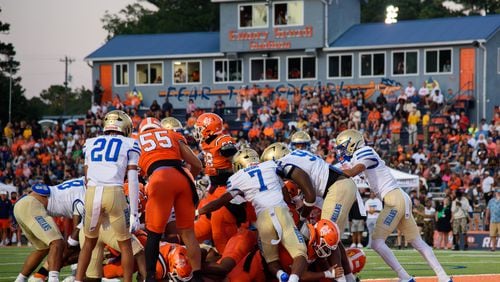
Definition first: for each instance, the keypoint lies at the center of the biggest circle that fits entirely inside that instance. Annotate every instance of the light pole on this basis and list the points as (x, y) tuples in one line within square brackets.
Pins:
[(10, 88)]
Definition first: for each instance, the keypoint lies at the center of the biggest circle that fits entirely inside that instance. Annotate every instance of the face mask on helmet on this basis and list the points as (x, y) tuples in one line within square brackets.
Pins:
[(323, 249)]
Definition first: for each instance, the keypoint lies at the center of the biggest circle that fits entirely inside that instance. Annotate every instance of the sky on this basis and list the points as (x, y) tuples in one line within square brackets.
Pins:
[(44, 32)]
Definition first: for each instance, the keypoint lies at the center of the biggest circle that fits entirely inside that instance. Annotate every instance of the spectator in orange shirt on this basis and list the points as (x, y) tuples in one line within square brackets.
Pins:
[(254, 133), (373, 117), (346, 102), (282, 103), (278, 126), (269, 131), (395, 128), (326, 109), (267, 91), (455, 182)]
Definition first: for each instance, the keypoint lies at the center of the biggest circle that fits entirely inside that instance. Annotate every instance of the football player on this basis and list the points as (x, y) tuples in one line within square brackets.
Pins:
[(323, 238), (217, 149), (300, 140), (35, 213), (169, 185), (338, 191), (260, 185), (108, 159), (397, 210)]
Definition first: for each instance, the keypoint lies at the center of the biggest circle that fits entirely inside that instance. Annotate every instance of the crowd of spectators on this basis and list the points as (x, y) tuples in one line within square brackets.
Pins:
[(456, 156)]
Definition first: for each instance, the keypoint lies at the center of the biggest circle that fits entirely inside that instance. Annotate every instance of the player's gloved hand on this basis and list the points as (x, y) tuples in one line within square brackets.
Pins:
[(282, 276), (70, 278), (134, 222)]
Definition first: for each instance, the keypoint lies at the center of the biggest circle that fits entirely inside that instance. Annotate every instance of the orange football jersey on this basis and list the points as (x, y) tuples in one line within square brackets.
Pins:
[(159, 144), (212, 156)]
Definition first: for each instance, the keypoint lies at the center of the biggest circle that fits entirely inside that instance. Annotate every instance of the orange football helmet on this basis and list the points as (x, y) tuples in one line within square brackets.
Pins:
[(149, 123), (178, 262), (327, 239), (357, 259), (206, 125)]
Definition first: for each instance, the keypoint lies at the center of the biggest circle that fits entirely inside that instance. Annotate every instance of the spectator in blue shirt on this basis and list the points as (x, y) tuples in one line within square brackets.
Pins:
[(493, 218)]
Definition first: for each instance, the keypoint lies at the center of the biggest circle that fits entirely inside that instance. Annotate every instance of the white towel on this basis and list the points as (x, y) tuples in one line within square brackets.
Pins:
[(408, 210), (361, 204), (96, 207), (277, 226)]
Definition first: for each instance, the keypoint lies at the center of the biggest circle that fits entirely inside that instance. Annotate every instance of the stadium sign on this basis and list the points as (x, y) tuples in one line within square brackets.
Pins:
[(480, 240), (265, 40)]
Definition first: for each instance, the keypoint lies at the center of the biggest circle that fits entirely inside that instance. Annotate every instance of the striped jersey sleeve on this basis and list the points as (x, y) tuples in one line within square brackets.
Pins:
[(366, 156)]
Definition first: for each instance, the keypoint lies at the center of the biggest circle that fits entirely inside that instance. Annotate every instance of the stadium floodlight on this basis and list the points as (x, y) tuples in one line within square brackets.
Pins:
[(391, 14)]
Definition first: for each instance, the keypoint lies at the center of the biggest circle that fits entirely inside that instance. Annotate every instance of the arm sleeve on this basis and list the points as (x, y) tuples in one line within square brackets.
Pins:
[(133, 190), (134, 154)]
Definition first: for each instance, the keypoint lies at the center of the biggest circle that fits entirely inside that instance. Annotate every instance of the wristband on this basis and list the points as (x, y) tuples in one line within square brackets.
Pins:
[(196, 213), (308, 204), (329, 273), (72, 242)]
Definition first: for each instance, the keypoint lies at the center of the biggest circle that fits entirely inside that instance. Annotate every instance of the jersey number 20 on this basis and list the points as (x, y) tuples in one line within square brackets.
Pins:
[(110, 149)]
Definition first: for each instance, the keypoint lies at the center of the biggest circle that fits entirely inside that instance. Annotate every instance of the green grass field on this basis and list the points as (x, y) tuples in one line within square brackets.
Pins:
[(455, 263)]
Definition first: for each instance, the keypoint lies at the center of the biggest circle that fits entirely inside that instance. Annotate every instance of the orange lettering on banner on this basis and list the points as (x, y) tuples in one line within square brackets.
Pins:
[(259, 40)]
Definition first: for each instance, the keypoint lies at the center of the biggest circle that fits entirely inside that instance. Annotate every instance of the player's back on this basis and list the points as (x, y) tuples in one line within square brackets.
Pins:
[(66, 197), (214, 160), (377, 173), (313, 165), (260, 185), (159, 145), (107, 159)]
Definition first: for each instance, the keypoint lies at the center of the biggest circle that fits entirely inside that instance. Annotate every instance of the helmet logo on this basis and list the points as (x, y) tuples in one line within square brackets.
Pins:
[(206, 121), (324, 230)]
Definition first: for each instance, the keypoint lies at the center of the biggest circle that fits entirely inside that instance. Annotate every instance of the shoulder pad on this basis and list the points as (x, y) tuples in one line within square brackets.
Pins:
[(41, 189)]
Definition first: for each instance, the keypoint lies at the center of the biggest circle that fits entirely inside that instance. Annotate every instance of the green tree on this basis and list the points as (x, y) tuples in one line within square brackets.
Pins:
[(169, 16), (475, 7), (374, 10), (58, 102)]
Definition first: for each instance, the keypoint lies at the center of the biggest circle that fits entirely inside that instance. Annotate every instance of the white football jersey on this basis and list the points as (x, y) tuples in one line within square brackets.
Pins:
[(107, 158), (314, 166), (377, 174), (66, 199), (259, 185)]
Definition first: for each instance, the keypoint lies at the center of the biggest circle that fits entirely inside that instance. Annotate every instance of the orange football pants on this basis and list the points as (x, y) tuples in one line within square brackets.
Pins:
[(169, 188)]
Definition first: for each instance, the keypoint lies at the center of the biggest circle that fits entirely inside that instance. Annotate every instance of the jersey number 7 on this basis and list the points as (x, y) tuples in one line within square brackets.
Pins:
[(257, 172)]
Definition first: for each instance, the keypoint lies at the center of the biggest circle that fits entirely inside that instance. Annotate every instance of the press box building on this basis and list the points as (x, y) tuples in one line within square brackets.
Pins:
[(299, 43)]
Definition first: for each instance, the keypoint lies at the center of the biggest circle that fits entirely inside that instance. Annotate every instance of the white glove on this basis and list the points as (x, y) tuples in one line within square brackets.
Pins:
[(329, 274), (70, 278), (134, 223)]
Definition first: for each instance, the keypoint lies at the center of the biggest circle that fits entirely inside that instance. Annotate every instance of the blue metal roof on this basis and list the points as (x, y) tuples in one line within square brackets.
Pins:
[(419, 31), (149, 45)]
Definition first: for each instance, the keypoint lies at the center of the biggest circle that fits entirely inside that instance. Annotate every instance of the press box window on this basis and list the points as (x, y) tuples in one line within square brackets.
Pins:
[(253, 15), (301, 68), (186, 72), (340, 66), (289, 13), (373, 64), (264, 69), (121, 74), (227, 70), (149, 73), (404, 63), (438, 61)]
